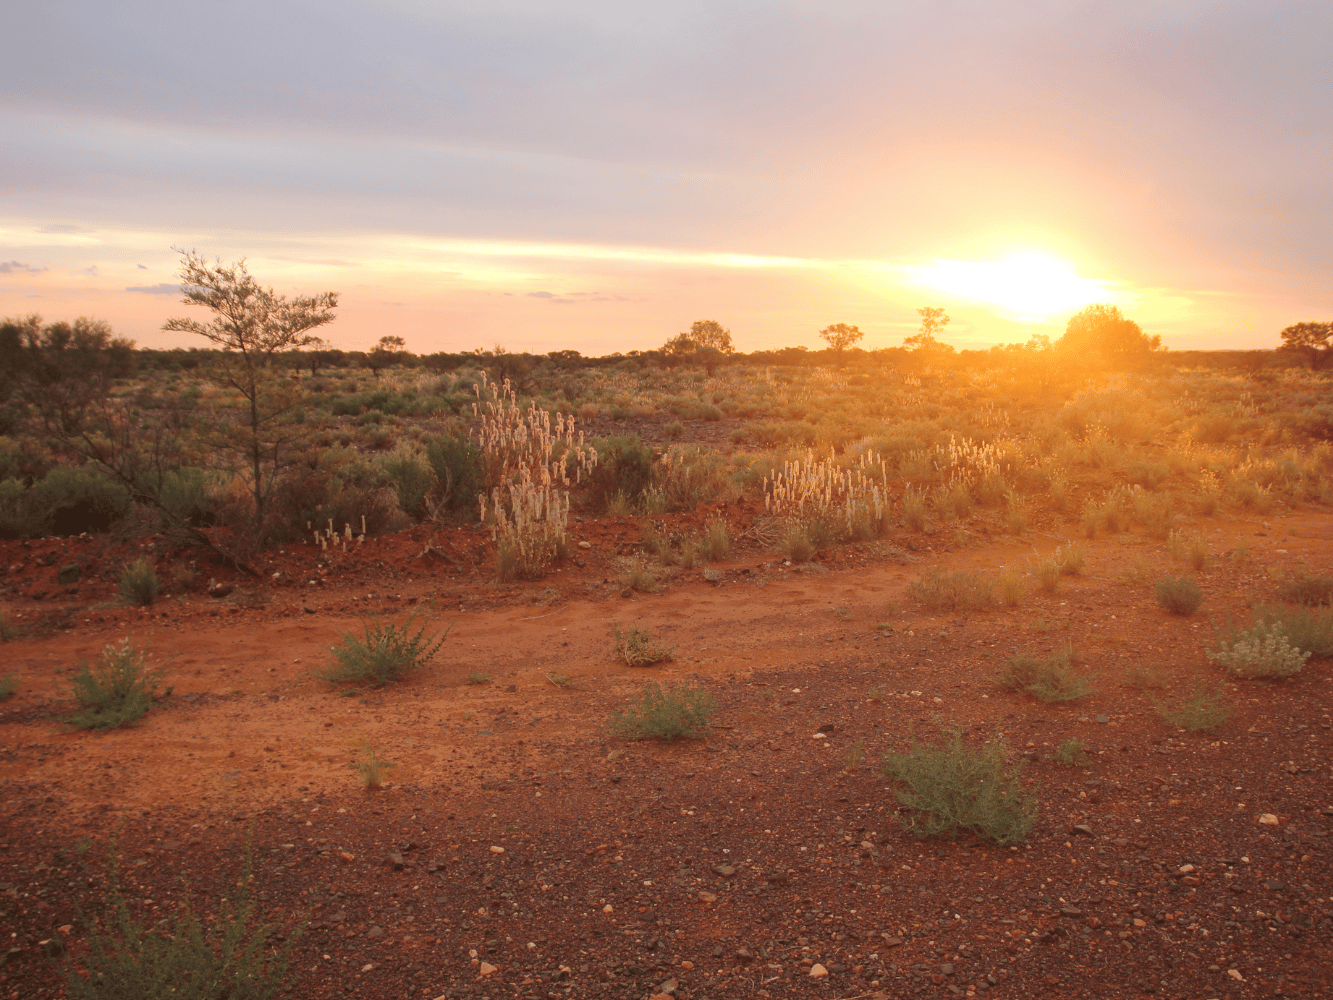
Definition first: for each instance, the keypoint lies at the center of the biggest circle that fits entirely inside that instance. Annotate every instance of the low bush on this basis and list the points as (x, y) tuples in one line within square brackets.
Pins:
[(639, 649), (716, 541), (383, 654), (1262, 651), (1049, 678), (115, 691), (1199, 711), (139, 583), (410, 475), (458, 468), (950, 787), (914, 510), (180, 956), (624, 468), (1179, 594), (1307, 590), (1047, 573), (371, 768), (664, 713), (1011, 588), (1310, 630), (8, 685), (1072, 753), (956, 591)]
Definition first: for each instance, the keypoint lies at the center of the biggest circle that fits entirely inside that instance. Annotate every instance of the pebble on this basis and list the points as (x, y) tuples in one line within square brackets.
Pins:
[(1235, 974), (707, 897), (725, 871), (1268, 819), (375, 932), (817, 971), (608, 908), (497, 850), (487, 969)]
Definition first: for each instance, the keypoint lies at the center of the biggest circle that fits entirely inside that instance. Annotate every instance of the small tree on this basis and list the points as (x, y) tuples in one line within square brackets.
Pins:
[(1311, 340), (388, 351), (710, 333), (840, 336), (933, 321), (252, 327), (1100, 333)]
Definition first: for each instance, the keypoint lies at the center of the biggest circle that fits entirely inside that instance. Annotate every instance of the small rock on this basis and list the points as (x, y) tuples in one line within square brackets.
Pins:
[(487, 969), (66, 575), (724, 871), (817, 971), (1070, 911), (608, 908), (1275, 886), (1083, 830), (893, 942), (375, 932), (1185, 869), (1268, 819), (707, 897), (396, 860), (497, 850), (1103, 719), (585, 545), (1235, 974), (668, 987), (947, 968), (837, 968), (827, 727)]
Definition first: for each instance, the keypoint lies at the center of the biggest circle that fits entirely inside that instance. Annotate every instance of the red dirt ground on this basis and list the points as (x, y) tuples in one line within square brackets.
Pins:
[(720, 867)]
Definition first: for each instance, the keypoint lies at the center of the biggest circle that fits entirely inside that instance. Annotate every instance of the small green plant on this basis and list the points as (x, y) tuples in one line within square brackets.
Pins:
[(1201, 710), (1049, 678), (1261, 651), (914, 510), (950, 787), (795, 543), (875, 694), (1304, 589), (957, 591), (716, 542), (639, 649), (139, 583), (7, 629), (664, 713), (1047, 573), (854, 757), (116, 691), (371, 768), (844, 613), (1071, 754), (1179, 595), (638, 579), (383, 654), (478, 678), (177, 957), (8, 685), (563, 681)]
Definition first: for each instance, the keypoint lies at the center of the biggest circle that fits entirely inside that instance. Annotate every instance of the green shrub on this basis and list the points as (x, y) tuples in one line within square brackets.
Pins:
[(116, 691), (949, 788), (177, 957), (1308, 590), (65, 501), (411, 476), (457, 464), (1071, 754), (1262, 651), (1179, 594), (956, 591), (1199, 711), (639, 649), (664, 713), (624, 466), (795, 543), (371, 768), (1049, 679), (8, 685), (188, 496), (716, 541), (139, 583), (1308, 629), (383, 654), (476, 677)]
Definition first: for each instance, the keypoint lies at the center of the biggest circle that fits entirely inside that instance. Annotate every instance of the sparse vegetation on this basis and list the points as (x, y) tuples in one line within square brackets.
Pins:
[(371, 768), (8, 685), (1308, 629), (384, 653), (1011, 588), (1144, 678), (950, 788), (478, 678), (1263, 651), (1179, 595), (1071, 753), (639, 649), (115, 691), (664, 713), (1304, 589), (227, 958), (1201, 710), (562, 681), (1047, 678), (956, 591), (139, 584)]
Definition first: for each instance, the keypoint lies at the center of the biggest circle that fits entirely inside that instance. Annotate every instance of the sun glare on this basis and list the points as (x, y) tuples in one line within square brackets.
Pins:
[(1028, 285)]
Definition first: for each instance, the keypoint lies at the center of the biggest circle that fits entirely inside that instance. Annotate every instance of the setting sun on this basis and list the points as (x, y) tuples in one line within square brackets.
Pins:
[(1027, 285)]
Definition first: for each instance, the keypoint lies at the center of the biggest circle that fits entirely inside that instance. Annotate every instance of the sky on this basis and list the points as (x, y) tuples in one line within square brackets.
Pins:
[(599, 175)]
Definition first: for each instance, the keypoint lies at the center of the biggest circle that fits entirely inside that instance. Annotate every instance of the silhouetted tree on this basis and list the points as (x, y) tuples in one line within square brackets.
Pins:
[(1099, 334), (1311, 340), (840, 336)]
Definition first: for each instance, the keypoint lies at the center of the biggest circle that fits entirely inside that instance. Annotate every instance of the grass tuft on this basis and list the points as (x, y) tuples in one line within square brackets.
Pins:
[(371, 768), (957, 591), (1201, 710), (1072, 753), (1049, 678), (950, 787), (1179, 595), (385, 653), (116, 691), (639, 649), (1307, 590), (664, 713), (8, 685), (139, 583)]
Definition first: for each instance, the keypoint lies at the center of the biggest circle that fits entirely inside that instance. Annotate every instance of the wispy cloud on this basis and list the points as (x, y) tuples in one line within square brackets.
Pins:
[(14, 267), (63, 227), (166, 288)]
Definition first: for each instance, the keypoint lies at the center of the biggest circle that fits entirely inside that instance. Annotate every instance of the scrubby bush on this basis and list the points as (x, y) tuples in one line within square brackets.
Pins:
[(664, 713), (1262, 651), (1310, 630), (1179, 594), (624, 467), (639, 649), (1047, 678), (1201, 710), (139, 583), (65, 501), (950, 787), (956, 591), (8, 685), (459, 473), (181, 956), (383, 654), (411, 478), (1072, 753), (371, 768), (116, 691), (1305, 589)]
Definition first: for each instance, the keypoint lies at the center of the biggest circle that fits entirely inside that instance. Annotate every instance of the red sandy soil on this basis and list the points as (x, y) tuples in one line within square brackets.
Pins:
[(719, 867)]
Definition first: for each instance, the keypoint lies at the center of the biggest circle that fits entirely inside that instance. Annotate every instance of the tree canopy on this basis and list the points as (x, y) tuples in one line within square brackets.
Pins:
[(840, 336), (1101, 334), (1311, 340), (933, 321)]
